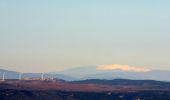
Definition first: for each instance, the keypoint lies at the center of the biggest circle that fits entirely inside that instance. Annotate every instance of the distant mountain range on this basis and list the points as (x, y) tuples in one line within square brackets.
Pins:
[(90, 72), (82, 73)]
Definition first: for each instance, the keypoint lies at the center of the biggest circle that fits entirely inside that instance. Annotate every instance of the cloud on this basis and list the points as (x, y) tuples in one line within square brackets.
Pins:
[(123, 68)]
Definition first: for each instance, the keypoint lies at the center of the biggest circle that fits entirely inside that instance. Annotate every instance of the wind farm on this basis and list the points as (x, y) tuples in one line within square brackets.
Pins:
[(90, 89), (44, 84)]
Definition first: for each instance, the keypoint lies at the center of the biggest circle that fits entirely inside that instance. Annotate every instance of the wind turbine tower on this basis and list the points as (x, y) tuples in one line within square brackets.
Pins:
[(20, 76), (52, 77), (42, 76), (3, 76)]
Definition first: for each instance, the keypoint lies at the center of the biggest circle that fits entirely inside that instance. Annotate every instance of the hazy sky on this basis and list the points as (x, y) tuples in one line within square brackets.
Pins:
[(50, 35)]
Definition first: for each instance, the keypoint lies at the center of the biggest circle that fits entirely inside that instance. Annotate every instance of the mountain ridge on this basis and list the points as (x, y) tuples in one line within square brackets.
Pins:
[(90, 72)]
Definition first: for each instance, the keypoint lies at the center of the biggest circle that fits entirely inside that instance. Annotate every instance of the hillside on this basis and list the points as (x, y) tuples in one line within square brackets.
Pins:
[(118, 89)]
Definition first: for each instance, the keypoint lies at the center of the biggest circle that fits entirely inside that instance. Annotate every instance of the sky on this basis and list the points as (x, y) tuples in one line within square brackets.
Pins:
[(52, 35)]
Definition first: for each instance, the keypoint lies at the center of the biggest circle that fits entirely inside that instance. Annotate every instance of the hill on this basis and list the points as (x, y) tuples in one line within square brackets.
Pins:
[(95, 89)]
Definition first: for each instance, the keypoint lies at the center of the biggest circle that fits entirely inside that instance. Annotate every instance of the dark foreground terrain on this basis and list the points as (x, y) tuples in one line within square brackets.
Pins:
[(10, 94), (85, 90)]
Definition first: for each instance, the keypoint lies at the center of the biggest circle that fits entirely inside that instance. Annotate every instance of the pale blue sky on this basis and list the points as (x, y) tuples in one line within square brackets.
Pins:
[(60, 34)]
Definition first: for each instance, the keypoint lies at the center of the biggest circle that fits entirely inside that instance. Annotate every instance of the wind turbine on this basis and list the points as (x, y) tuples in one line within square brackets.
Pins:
[(52, 78), (20, 76), (42, 76), (3, 76)]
